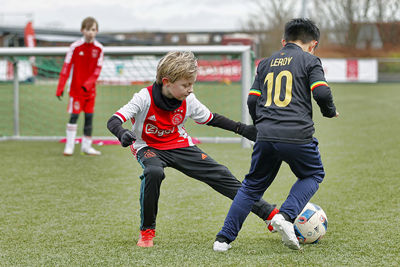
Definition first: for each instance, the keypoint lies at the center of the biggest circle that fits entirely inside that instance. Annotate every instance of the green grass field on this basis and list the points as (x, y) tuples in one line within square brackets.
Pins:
[(84, 211)]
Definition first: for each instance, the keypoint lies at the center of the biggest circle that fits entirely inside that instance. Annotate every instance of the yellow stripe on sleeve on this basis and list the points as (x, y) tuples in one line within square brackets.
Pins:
[(255, 92), (317, 84)]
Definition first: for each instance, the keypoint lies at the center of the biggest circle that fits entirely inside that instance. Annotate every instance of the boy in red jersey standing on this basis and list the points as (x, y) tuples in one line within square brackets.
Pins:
[(85, 59), (158, 114)]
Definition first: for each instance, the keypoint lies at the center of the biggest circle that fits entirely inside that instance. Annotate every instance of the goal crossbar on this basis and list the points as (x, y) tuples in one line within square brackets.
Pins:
[(128, 50)]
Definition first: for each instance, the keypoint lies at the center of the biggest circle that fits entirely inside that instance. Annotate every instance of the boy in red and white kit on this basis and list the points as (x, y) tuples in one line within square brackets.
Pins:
[(85, 59), (158, 114)]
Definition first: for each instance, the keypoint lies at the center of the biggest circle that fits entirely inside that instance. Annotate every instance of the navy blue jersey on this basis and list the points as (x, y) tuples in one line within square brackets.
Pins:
[(280, 98)]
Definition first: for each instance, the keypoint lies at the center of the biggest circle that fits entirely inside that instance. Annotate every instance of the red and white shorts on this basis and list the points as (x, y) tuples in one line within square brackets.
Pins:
[(78, 104)]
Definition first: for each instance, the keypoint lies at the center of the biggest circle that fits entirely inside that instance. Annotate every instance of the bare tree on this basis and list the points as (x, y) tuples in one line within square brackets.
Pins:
[(386, 10), (267, 22), (343, 18), (387, 16), (341, 21)]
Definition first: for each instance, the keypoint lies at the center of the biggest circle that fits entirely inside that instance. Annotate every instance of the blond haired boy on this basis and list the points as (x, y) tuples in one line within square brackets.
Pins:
[(160, 140), (85, 59)]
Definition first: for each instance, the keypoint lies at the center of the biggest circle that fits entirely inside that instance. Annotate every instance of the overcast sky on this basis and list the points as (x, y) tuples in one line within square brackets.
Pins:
[(128, 15)]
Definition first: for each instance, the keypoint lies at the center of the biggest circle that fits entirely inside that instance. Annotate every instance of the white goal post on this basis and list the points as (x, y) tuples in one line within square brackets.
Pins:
[(244, 52)]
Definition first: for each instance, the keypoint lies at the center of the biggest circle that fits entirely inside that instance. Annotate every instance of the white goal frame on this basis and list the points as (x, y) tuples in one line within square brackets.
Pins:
[(246, 77)]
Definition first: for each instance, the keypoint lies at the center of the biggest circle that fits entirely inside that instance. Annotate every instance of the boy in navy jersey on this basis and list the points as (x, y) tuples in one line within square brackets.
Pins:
[(158, 114), (280, 106), (85, 60)]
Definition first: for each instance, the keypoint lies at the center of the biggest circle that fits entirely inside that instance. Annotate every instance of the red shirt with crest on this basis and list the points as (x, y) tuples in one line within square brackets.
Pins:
[(158, 128), (85, 61)]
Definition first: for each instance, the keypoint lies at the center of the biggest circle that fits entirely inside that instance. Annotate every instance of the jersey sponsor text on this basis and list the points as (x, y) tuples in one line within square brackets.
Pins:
[(152, 129)]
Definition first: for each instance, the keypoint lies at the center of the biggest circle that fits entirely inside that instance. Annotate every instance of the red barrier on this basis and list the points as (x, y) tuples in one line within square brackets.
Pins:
[(219, 70)]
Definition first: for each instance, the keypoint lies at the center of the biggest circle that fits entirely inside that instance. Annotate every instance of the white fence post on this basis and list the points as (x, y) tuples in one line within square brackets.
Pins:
[(16, 98), (246, 84)]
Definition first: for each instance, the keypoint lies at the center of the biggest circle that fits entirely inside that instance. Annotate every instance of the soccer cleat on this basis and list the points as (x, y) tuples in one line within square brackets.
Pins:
[(146, 238), (221, 246), (68, 151), (286, 230), (268, 220), (91, 151), (87, 147)]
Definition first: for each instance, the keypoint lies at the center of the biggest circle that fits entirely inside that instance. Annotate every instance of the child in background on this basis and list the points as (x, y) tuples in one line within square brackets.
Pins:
[(85, 59)]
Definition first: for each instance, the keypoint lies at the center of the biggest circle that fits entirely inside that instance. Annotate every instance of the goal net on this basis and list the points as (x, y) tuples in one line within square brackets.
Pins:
[(29, 76)]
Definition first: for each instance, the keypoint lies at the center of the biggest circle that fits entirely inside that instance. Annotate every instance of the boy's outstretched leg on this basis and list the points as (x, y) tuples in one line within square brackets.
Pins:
[(193, 162)]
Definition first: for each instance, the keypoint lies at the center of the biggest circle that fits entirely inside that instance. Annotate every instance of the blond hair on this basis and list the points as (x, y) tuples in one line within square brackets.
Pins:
[(88, 22), (177, 65)]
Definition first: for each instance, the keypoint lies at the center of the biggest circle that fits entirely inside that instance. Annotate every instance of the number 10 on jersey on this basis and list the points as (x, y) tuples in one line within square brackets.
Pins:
[(269, 80)]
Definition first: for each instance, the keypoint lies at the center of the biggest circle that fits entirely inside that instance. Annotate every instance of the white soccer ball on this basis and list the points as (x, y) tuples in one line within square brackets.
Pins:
[(311, 224)]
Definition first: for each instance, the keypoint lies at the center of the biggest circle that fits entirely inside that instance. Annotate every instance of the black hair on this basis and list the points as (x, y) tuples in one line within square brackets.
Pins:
[(301, 29)]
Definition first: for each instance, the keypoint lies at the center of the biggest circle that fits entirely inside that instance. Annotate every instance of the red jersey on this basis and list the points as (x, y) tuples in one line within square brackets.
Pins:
[(85, 60), (158, 128)]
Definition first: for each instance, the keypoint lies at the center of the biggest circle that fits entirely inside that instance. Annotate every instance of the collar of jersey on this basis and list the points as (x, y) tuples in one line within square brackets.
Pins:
[(293, 45), (163, 102)]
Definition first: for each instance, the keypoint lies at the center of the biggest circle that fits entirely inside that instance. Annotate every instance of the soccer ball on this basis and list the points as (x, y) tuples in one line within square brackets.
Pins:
[(311, 224)]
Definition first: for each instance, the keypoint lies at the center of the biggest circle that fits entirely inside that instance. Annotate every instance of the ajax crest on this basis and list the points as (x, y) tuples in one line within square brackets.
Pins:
[(76, 105), (177, 119), (95, 53)]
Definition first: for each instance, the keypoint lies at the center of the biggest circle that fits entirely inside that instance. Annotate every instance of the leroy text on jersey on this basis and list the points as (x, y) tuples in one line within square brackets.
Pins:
[(281, 61)]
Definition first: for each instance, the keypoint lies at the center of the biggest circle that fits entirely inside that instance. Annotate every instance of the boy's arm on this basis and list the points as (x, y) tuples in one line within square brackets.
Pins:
[(220, 121), (254, 94), (321, 91), (252, 102), (125, 136), (64, 74), (202, 115), (128, 112), (90, 82)]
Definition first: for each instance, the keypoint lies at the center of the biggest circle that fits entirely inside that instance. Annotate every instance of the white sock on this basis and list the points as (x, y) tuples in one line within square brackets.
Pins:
[(71, 134)]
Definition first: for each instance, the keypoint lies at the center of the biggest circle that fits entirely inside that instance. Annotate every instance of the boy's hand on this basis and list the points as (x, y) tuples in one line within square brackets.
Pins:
[(60, 96), (127, 138), (248, 131)]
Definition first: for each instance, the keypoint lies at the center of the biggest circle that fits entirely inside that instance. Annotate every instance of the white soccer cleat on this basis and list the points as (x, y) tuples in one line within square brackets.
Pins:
[(286, 230), (87, 147), (68, 151), (91, 151), (221, 246)]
